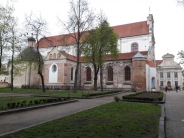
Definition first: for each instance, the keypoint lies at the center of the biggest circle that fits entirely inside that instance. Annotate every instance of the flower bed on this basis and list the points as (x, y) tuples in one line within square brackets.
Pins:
[(30, 102), (144, 96)]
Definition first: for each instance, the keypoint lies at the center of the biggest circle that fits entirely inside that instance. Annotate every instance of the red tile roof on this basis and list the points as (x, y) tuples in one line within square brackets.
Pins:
[(150, 63), (126, 30), (158, 62), (132, 29)]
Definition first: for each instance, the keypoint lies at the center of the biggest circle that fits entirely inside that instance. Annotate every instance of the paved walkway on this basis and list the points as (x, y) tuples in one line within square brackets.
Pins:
[(17, 121), (174, 107)]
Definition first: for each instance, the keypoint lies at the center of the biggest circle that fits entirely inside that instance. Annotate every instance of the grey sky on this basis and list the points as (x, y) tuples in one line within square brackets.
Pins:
[(168, 17)]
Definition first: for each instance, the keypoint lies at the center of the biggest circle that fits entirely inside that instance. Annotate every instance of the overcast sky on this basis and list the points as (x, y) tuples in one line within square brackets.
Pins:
[(168, 17)]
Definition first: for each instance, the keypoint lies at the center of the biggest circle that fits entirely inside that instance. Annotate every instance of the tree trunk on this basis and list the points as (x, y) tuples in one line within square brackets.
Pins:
[(42, 79), (1, 46), (77, 68), (95, 81), (78, 46), (101, 78), (12, 71)]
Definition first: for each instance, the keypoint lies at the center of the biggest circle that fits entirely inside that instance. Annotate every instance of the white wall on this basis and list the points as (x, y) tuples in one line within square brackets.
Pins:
[(150, 73), (68, 49), (125, 43)]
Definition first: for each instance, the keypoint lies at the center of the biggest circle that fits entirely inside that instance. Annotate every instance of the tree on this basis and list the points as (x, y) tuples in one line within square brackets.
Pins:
[(37, 26), (80, 20), (97, 45), (5, 21), (180, 2), (181, 56)]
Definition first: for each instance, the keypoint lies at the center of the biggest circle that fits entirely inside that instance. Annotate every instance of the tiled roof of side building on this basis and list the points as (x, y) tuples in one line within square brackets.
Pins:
[(125, 30), (158, 62), (150, 63)]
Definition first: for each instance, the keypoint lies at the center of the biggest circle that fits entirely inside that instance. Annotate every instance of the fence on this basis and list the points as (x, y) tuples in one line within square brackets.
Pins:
[(68, 87)]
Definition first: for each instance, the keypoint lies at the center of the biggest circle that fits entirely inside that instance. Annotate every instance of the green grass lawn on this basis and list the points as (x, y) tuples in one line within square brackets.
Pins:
[(113, 120)]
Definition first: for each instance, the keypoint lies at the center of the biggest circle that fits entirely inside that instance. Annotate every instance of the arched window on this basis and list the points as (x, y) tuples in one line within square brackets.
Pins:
[(54, 56), (127, 73), (134, 47), (50, 56), (110, 73), (72, 73), (54, 68), (88, 74)]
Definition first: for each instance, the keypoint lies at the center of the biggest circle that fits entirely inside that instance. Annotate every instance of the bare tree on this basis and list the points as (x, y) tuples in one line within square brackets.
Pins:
[(14, 45), (180, 2), (80, 20), (38, 27)]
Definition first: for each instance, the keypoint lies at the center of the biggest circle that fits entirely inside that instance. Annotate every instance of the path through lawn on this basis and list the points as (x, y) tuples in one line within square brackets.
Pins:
[(113, 120)]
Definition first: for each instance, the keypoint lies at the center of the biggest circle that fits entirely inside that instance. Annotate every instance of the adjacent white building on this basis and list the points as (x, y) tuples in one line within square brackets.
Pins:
[(169, 72)]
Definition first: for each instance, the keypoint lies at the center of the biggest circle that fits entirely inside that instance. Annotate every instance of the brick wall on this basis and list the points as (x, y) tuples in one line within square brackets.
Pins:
[(118, 74), (139, 74)]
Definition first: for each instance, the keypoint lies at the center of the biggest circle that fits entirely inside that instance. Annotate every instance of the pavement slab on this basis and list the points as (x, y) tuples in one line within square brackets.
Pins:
[(174, 108)]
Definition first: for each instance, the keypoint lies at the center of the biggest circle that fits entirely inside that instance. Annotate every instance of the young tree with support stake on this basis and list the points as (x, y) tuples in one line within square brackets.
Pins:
[(97, 45), (80, 20)]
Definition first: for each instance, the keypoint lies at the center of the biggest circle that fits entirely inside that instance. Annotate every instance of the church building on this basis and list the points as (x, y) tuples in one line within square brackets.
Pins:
[(134, 68)]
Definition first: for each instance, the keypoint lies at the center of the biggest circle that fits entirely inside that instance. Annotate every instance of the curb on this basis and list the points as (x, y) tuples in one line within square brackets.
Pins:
[(161, 130), (35, 107)]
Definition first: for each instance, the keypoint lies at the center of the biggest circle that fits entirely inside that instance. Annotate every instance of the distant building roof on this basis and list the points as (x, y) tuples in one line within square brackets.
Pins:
[(158, 62), (138, 55), (126, 30)]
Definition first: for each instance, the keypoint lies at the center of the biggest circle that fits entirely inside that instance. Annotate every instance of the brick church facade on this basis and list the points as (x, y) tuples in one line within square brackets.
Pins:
[(134, 68)]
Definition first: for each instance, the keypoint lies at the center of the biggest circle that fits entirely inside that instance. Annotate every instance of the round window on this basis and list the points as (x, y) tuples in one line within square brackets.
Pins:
[(54, 68)]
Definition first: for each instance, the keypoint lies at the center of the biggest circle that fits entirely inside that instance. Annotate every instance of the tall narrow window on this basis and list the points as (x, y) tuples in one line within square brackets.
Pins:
[(168, 75), (54, 56), (161, 74), (110, 73), (127, 73), (50, 56), (134, 47), (88, 74), (176, 74), (72, 73), (161, 83), (58, 55)]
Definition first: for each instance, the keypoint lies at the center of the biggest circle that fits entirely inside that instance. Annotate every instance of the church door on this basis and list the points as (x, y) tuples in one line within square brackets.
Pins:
[(53, 73)]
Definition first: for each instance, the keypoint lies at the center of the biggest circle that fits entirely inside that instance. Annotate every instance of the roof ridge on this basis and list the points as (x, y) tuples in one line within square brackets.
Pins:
[(128, 23)]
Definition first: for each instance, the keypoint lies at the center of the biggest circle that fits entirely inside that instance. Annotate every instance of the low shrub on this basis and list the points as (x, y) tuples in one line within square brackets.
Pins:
[(18, 104), (116, 99)]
